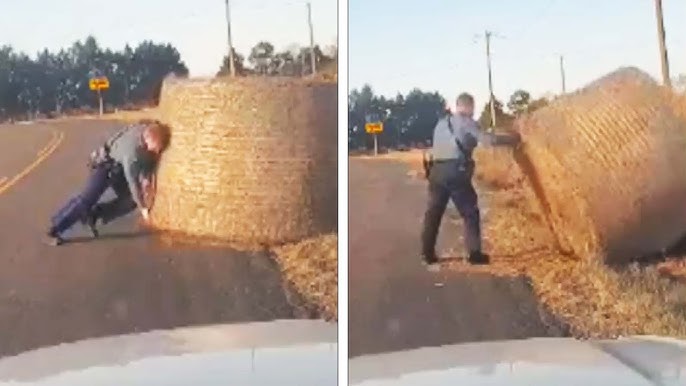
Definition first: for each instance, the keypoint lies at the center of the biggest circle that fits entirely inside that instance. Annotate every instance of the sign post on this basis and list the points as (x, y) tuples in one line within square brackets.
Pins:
[(98, 84), (374, 128), (100, 102)]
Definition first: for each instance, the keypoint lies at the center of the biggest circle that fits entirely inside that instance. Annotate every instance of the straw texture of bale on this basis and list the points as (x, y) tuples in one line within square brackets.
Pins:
[(252, 160), (607, 164)]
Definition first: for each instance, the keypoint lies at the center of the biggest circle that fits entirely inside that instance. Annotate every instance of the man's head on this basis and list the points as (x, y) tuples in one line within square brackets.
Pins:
[(156, 136), (465, 104)]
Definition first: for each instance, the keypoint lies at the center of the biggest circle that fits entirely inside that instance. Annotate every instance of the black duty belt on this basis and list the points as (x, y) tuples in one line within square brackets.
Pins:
[(454, 160)]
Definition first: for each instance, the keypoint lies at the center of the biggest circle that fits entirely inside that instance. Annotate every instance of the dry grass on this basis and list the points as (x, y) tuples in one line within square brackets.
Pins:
[(412, 158), (592, 299), (311, 266), (135, 115)]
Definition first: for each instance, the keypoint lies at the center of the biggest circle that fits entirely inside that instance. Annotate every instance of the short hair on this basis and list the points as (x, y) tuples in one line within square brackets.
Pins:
[(465, 99), (158, 130)]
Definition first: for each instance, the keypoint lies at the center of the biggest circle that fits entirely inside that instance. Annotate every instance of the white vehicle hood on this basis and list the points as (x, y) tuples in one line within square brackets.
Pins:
[(292, 352), (635, 361)]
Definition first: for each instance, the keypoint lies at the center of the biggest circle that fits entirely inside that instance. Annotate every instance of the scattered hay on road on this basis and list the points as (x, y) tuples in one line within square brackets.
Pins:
[(311, 266)]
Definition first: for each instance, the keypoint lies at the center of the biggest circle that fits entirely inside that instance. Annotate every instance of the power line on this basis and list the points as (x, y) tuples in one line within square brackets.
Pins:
[(541, 16)]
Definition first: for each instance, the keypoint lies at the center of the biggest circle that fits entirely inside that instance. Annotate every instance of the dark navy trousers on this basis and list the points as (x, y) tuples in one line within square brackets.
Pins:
[(451, 180), (78, 207)]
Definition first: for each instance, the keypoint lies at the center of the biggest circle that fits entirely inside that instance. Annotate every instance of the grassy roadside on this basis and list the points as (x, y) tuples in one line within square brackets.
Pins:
[(592, 299), (311, 267)]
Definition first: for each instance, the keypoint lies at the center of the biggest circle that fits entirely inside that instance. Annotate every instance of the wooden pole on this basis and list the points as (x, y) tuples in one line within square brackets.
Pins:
[(232, 65), (313, 59), (562, 73), (490, 78), (663, 46)]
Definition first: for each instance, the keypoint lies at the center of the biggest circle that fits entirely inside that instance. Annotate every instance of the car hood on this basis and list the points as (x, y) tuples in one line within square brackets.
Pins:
[(634, 361), (288, 352)]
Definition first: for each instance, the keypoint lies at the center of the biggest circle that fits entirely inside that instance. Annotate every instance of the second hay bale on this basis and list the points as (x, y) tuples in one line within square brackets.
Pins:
[(608, 166), (252, 160)]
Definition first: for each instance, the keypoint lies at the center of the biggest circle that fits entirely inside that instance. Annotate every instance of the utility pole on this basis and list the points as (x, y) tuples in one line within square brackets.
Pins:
[(313, 60), (562, 73), (490, 78), (663, 46), (232, 66)]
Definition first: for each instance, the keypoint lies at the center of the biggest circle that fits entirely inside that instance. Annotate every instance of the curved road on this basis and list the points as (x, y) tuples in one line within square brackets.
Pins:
[(395, 302), (126, 281)]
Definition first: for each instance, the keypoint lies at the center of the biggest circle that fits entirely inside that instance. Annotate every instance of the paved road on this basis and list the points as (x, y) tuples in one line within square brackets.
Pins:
[(127, 281), (395, 303)]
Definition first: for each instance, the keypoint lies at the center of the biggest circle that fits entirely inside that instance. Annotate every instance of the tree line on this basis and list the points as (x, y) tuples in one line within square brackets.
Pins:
[(263, 59), (409, 119), (55, 83)]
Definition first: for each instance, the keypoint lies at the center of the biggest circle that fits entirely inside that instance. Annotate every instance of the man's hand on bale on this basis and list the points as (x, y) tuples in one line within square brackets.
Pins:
[(514, 139), (148, 188), (145, 213)]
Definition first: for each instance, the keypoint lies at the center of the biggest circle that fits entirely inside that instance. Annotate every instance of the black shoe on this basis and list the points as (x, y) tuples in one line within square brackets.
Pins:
[(429, 259), (54, 240), (478, 258), (91, 221)]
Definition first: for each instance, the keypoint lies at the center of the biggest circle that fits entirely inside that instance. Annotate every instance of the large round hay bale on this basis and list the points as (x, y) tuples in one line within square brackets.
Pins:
[(252, 160), (608, 164)]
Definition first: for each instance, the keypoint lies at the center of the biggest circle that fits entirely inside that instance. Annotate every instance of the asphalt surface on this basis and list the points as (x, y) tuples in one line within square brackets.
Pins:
[(127, 280), (395, 303)]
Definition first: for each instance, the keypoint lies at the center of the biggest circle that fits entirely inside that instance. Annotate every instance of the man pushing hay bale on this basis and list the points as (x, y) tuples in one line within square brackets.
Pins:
[(608, 166), (252, 160)]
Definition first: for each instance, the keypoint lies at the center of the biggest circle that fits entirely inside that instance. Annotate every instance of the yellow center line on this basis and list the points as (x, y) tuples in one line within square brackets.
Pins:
[(49, 149), (55, 133)]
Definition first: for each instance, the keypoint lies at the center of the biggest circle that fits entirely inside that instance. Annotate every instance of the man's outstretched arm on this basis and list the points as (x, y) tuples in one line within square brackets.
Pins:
[(491, 139)]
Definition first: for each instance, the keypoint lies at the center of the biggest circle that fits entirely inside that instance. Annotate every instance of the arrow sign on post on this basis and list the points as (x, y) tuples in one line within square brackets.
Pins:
[(98, 84), (374, 128)]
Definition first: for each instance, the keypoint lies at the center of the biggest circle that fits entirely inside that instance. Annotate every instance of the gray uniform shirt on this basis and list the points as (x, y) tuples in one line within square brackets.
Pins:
[(129, 150), (467, 131)]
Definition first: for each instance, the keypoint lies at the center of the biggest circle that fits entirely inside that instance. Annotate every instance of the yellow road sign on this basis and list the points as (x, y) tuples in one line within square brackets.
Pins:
[(97, 84), (374, 128)]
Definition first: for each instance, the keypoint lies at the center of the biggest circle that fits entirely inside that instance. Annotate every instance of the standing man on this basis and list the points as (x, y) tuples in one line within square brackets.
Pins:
[(126, 163), (450, 177)]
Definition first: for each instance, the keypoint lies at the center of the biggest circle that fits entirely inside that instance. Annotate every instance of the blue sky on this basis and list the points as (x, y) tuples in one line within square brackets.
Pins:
[(430, 44), (197, 28)]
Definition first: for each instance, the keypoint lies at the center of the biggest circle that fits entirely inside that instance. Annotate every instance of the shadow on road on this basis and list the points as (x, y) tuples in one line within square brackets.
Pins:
[(526, 252), (111, 236)]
